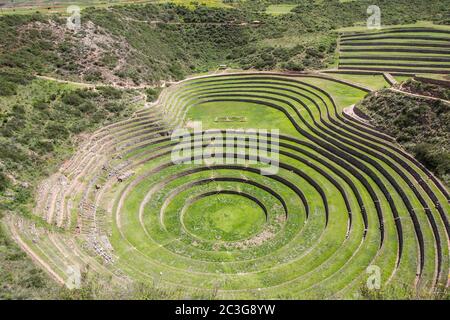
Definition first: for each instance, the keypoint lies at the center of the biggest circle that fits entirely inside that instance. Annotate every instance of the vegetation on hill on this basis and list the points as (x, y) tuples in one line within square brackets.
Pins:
[(335, 13), (420, 125), (146, 43), (40, 125), (426, 89), (314, 15)]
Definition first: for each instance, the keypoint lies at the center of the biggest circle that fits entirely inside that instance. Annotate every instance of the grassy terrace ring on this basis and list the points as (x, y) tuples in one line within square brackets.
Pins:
[(344, 198)]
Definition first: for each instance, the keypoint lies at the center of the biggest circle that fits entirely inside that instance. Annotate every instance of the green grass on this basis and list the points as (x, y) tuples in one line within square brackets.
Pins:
[(401, 78), (279, 9), (268, 119), (224, 217), (437, 76), (374, 82)]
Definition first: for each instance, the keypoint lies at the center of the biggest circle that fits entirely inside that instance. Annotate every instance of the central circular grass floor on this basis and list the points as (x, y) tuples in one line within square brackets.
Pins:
[(224, 217)]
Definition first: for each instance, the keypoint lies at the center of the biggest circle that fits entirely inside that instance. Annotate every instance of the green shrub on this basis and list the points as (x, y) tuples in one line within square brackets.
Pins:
[(294, 65), (93, 76), (420, 125), (114, 107), (4, 181), (7, 88), (72, 98), (110, 92), (56, 130), (87, 107), (152, 94)]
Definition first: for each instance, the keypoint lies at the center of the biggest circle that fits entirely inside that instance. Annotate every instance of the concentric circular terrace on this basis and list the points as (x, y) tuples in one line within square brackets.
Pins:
[(345, 197)]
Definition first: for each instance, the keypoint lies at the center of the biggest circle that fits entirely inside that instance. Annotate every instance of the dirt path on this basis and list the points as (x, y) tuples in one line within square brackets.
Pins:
[(350, 111), (229, 23), (389, 78), (91, 85), (81, 84)]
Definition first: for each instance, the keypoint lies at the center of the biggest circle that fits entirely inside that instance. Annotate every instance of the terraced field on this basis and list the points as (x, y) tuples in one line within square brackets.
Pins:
[(345, 197), (412, 50)]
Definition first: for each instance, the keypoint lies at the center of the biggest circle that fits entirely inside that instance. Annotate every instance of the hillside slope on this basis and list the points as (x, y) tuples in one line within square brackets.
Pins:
[(135, 44), (40, 126), (420, 125), (131, 45)]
